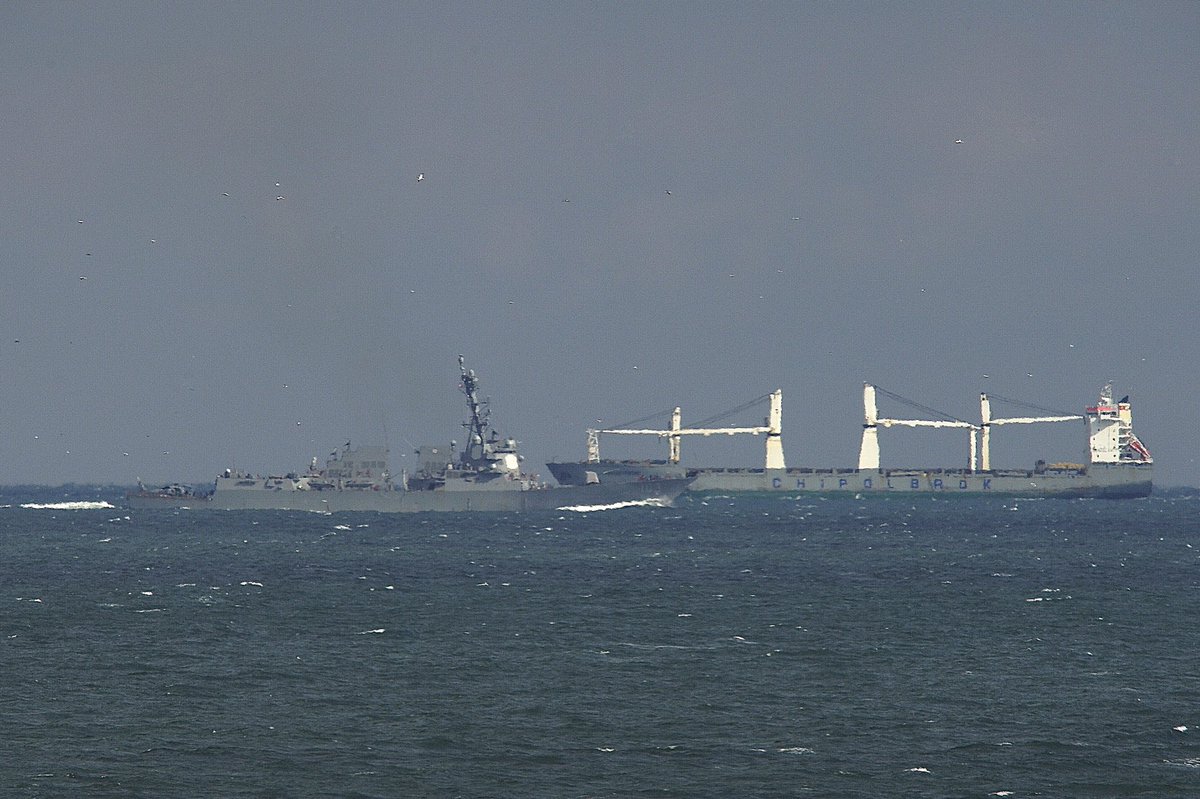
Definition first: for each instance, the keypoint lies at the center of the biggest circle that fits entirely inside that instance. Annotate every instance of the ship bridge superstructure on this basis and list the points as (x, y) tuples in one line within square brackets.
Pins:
[(1110, 432)]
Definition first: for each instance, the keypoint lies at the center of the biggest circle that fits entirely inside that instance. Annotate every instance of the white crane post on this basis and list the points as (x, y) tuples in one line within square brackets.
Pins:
[(774, 459), (985, 415), (673, 453), (868, 454)]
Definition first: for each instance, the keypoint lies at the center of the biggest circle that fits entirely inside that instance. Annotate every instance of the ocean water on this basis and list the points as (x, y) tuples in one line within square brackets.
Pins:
[(735, 647)]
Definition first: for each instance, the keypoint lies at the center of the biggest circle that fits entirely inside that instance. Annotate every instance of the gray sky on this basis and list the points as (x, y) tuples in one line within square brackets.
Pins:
[(765, 195)]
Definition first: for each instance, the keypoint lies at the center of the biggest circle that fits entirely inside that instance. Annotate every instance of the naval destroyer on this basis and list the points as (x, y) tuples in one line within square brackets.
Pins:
[(1118, 464), (485, 475)]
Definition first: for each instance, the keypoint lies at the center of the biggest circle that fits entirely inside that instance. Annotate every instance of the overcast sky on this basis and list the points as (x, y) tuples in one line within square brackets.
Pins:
[(216, 251)]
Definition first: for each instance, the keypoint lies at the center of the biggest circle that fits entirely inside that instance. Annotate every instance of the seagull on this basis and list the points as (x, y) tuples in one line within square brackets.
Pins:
[(281, 197), (224, 194), (668, 192), (420, 177), (958, 141)]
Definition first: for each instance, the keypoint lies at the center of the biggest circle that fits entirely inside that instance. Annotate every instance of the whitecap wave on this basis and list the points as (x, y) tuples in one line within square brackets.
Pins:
[(68, 505), (1187, 762)]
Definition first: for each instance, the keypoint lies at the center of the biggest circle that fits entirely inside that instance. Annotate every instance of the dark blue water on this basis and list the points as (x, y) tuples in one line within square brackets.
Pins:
[(740, 648)]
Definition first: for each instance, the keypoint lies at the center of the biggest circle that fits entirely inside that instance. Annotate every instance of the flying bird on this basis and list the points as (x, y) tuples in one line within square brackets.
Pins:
[(420, 177)]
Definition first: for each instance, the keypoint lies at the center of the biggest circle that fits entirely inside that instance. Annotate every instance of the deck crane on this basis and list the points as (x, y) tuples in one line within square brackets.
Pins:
[(773, 429)]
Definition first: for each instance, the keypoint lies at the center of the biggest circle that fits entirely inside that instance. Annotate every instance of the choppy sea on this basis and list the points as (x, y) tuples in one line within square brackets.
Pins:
[(731, 647)]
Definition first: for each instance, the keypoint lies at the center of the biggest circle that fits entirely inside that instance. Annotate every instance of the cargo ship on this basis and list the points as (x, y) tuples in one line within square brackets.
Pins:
[(1117, 465), (485, 475)]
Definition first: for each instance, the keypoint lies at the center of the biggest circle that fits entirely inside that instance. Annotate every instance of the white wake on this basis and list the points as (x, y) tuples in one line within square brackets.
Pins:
[(657, 502)]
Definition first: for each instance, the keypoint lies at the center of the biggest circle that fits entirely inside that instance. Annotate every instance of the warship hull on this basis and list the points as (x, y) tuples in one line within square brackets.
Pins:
[(515, 500), (1110, 481), (484, 476)]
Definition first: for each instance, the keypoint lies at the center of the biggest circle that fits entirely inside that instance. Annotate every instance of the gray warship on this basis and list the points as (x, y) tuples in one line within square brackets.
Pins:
[(485, 475), (1118, 465)]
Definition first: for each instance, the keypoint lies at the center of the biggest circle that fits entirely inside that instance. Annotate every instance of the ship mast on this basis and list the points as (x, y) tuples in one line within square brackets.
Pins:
[(476, 450)]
